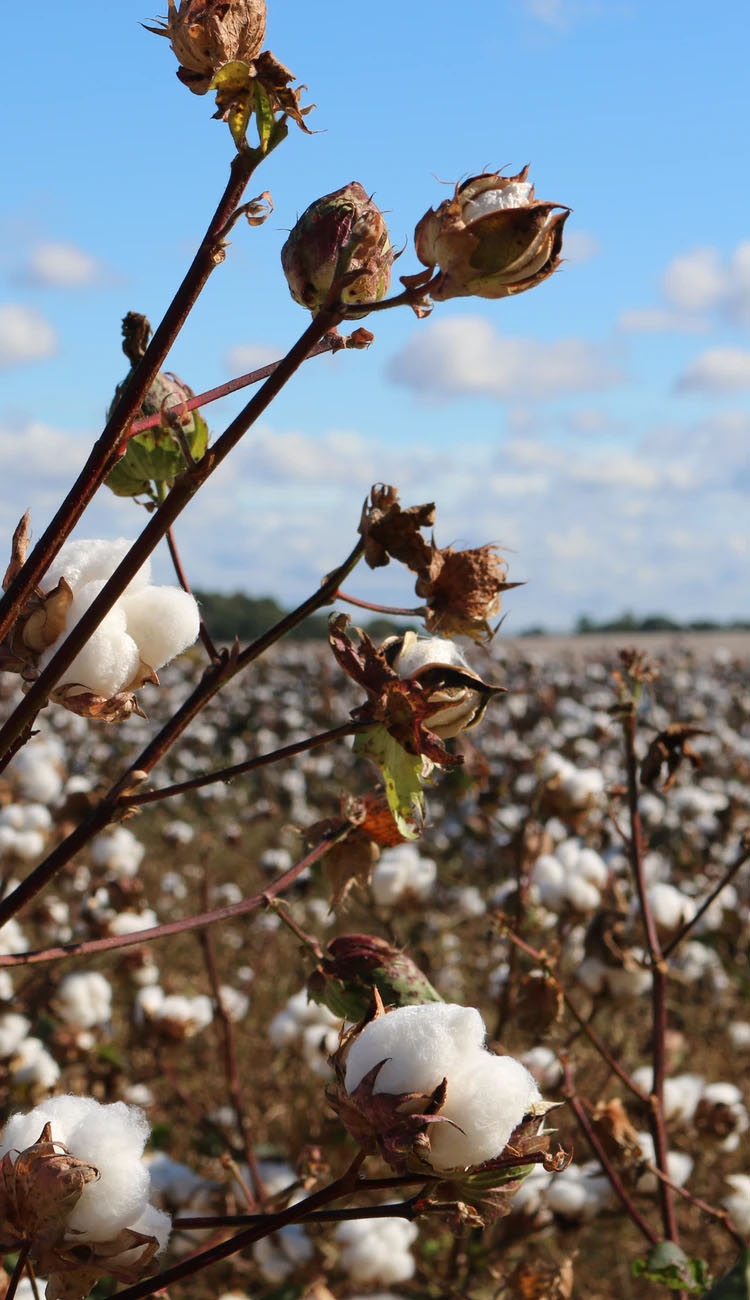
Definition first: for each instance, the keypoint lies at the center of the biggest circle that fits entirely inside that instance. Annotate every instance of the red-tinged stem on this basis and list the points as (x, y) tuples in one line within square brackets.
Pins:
[(215, 676), (185, 487), (203, 631), (343, 1186), (104, 452), (381, 609), (541, 959), (657, 1123), (723, 1216), (598, 1150), (113, 942), (729, 875), (229, 1052), (227, 774), (333, 342)]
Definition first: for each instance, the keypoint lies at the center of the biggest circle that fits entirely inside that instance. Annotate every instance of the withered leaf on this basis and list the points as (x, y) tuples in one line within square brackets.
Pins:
[(391, 532), (19, 549), (670, 746)]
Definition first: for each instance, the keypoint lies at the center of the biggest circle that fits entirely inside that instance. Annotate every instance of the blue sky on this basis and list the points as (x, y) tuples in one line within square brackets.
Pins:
[(597, 426)]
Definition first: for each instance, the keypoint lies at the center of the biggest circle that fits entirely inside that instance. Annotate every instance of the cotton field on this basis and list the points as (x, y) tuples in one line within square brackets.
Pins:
[(518, 906)]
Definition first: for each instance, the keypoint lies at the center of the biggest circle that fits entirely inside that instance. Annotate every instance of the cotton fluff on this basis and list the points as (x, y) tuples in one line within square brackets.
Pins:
[(33, 1067), (13, 1030), (118, 851), (580, 1192), (84, 999), (679, 1165), (487, 1096), (110, 1137), (147, 624), (572, 875), (314, 1028), (176, 1014), (402, 873), (737, 1203), (377, 1250)]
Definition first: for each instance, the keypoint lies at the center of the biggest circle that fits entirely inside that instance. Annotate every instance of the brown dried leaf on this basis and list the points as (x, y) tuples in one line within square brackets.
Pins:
[(95, 707), (47, 622), (462, 590), (541, 1281), (670, 746), (393, 533), (349, 863), (616, 1133), (19, 549), (539, 1003)]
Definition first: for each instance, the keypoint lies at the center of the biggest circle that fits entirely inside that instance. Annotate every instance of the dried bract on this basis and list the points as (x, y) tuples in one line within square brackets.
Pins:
[(342, 236), (462, 590), (491, 239), (206, 34)]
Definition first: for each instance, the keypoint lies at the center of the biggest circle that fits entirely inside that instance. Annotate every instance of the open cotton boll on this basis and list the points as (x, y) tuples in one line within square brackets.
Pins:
[(90, 560), (163, 621), (682, 1092), (425, 650), (679, 1165), (402, 870), (110, 1137), (487, 1101), (33, 1066), (13, 1030), (278, 1256), (737, 1203), (109, 660), (377, 1250), (84, 999), (117, 850), (421, 1046)]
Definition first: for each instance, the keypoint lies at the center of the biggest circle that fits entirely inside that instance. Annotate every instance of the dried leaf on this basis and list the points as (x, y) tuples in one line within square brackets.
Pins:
[(19, 549)]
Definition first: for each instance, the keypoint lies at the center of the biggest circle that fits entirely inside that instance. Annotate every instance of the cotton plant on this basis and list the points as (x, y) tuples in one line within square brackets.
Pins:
[(175, 1015), (574, 876), (311, 1028), (118, 851), (146, 627), (75, 1187), (84, 1000), (402, 875)]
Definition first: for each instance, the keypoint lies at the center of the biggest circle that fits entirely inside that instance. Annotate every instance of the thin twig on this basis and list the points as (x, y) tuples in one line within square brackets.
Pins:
[(418, 612), (113, 942), (227, 774), (18, 1270), (722, 1215), (203, 631), (729, 875)]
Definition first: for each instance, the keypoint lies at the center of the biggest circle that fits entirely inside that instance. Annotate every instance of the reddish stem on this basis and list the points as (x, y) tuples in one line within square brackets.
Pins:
[(381, 609), (729, 875), (203, 631), (112, 942)]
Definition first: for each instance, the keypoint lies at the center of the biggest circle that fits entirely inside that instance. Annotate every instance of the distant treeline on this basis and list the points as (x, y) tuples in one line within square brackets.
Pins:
[(247, 617)]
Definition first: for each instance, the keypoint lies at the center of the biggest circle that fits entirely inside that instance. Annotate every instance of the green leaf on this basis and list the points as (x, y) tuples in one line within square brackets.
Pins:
[(235, 88), (736, 1284), (263, 117), (402, 773), (669, 1266)]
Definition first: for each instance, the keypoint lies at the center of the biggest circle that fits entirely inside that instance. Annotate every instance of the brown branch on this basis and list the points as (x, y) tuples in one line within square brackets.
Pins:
[(401, 1210), (113, 942), (418, 612), (18, 1270), (105, 450), (343, 1186)]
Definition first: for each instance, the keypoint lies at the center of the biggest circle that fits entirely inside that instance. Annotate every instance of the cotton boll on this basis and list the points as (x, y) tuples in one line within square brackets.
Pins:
[(737, 1203), (548, 879), (152, 1223), (278, 1256), (109, 660), (424, 1043), (13, 1030), (377, 1250), (402, 871), (118, 850), (84, 560), (582, 895), (33, 1067), (739, 1035), (131, 922), (422, 651), (163, 621), (84, 999), (679, 1165), (670, 908), (487, 1101), (682, 1092), (544, 1065)]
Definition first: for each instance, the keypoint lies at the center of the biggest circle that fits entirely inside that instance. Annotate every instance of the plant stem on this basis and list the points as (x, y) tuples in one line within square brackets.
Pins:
[(402, 1210), (729, 875), (333, 342), (722, 1215), (381, 609), (657, 1122), (227, 774), (104, 452), (591, 1137), (215, 676), (18, 1270), (113, 942), (203, 631), (272, 1223), (184, 488)]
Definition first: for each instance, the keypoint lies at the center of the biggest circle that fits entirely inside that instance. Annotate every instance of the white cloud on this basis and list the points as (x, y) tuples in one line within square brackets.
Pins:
[(580, 246), (718, 370), (659, 320), (702, 280), (25, 335), (62, 266), (244, 357), (547, 11), (466, 355)]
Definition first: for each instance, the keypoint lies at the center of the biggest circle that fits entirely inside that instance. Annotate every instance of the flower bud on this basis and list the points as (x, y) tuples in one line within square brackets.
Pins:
[(492, 239), (456, 695), (206, 34), (339, 235)]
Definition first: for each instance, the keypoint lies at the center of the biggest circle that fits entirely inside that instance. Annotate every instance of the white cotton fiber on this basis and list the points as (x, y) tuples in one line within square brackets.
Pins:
[(488, 1100), (84, 560), (109, 659), (110, 1137), (118, 850), (425, 1043), (420, 651), (84, 999), (377, 1250), (13, 1030), (33, 1066), (163, 621), (737, 1203)]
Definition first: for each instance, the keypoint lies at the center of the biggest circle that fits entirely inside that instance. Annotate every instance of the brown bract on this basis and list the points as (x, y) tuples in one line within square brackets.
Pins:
[(463, 590), (403, 707), (206, 34), (488, 243), (669, 747), (392, 532)]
